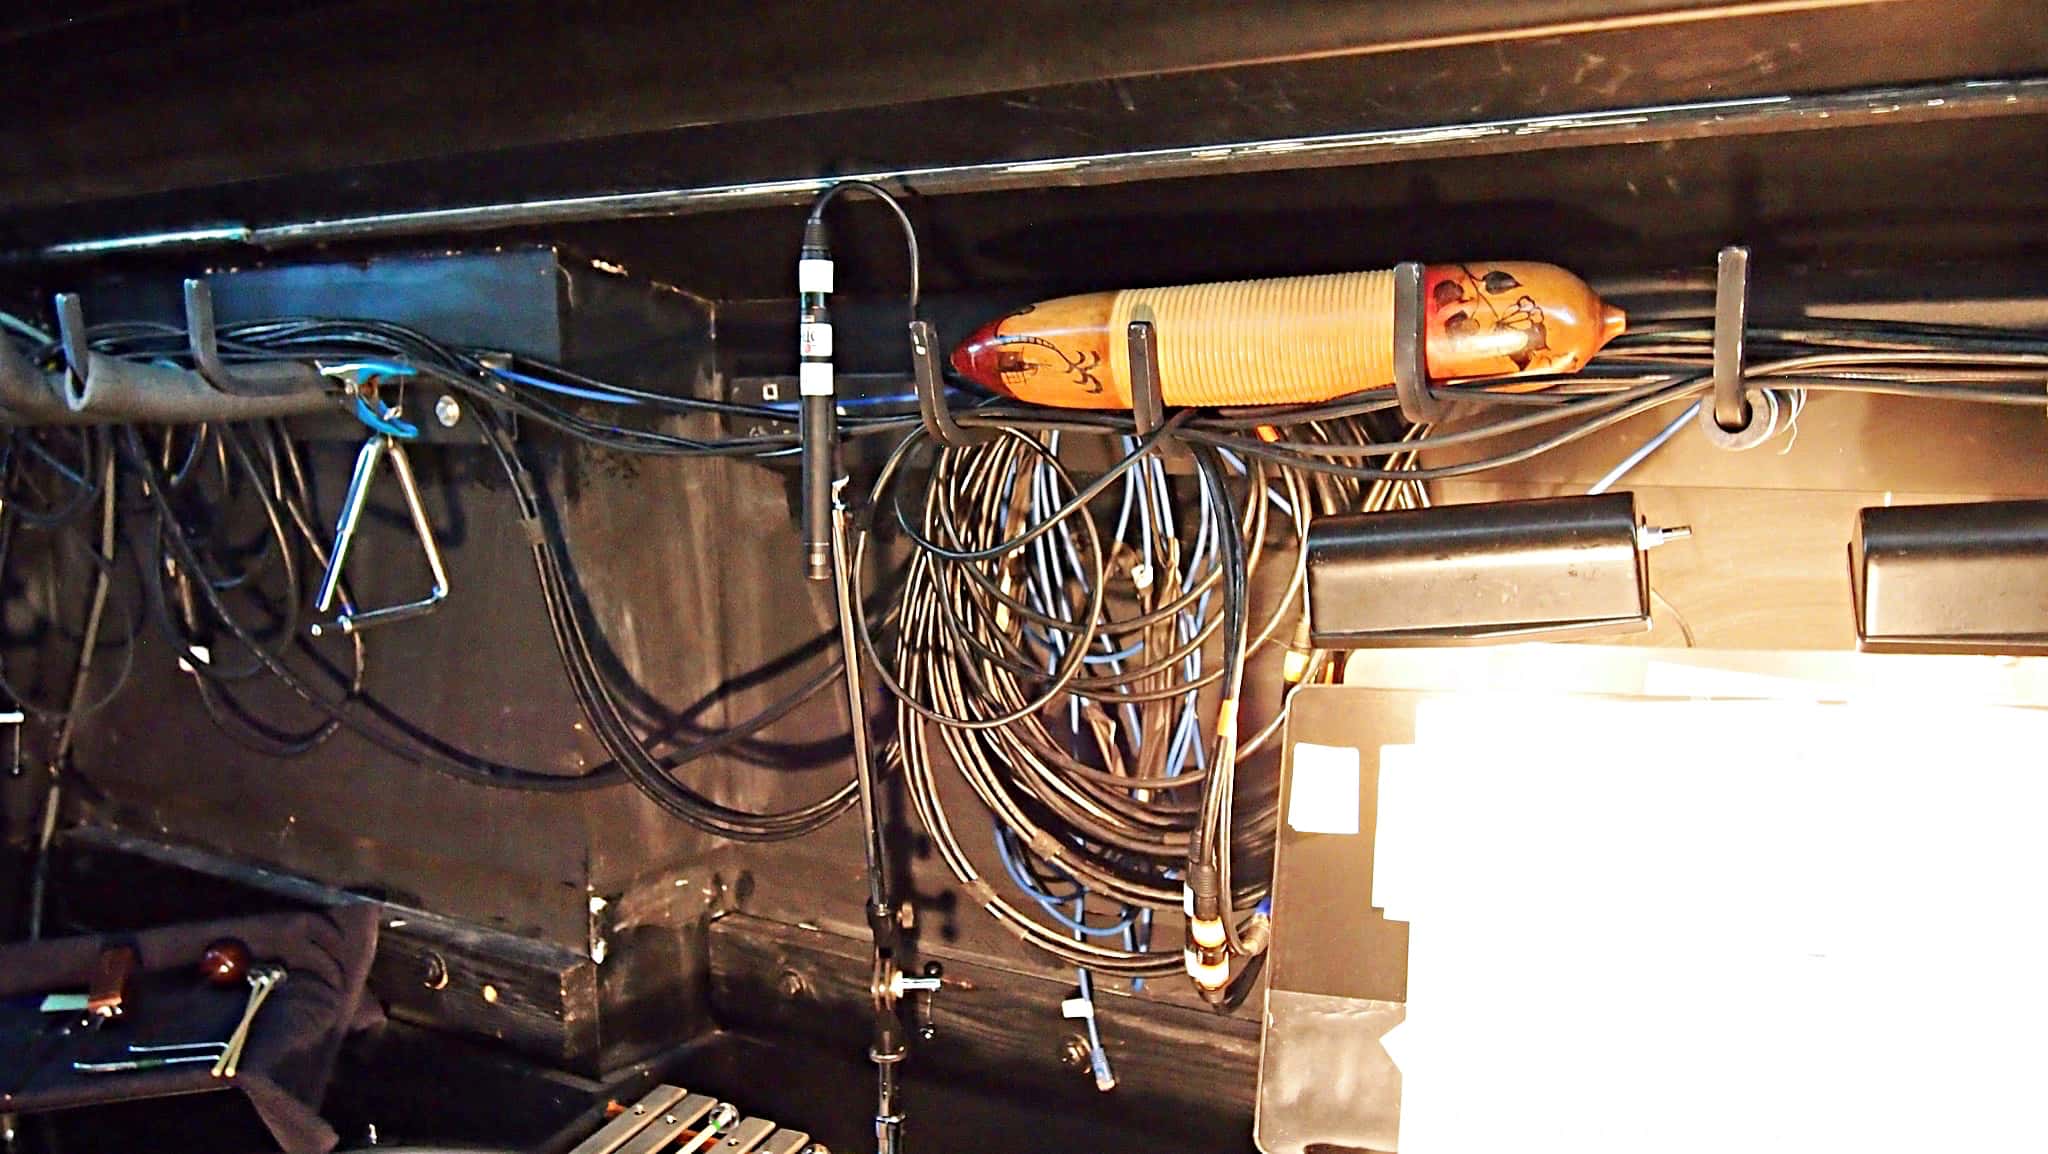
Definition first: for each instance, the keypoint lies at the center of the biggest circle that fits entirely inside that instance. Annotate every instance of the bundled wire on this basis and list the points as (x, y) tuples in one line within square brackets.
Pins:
[(1030, 597), (230, 599), (528, 389), (1075, 647)]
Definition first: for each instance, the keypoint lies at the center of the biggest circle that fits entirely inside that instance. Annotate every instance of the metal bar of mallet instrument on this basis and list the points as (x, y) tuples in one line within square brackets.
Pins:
[(721, 1117)]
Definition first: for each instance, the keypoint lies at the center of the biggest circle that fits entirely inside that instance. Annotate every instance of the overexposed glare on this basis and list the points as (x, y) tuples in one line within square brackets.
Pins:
[(1718, 925)]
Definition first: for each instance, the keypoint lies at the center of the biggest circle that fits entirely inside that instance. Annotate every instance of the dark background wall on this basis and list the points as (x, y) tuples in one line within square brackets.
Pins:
[(350, 107)]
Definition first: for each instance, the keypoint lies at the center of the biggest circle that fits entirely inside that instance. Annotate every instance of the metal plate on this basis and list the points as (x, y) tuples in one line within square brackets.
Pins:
[(670, 1125), (785, 1142), (638, 1117), (747, 1134)]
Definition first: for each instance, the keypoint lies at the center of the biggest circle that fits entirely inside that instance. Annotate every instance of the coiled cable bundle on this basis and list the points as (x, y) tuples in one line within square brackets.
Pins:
[(1076, 651)]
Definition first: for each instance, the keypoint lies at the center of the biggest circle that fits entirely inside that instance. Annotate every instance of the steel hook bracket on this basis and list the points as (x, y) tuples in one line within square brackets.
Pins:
[(71, 338), (202, 340), (1738, 417), (1419, 406), (932, 407)]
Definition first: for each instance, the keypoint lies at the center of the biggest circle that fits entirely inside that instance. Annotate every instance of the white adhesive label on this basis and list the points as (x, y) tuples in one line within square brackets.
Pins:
[(814, 339), (814, 276), (1323, 797), (814, 378)]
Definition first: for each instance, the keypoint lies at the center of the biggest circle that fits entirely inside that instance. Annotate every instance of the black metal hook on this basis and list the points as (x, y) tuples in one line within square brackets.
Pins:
[(71, 336), (1148, 407), (931, 391), (1419, 406), (1148, 403), (203, 339), (1731, 318), (1737, 416)]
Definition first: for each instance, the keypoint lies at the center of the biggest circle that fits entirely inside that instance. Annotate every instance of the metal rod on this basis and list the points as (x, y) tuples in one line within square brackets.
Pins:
[(379, 448), (423, 528), (888, 1118), (1903, 104), (856, 703), (130, 1065), (373, 451), (888, 1048)]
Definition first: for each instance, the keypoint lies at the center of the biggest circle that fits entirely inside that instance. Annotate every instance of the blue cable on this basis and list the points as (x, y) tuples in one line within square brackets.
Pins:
[(1642, 453), (1050, 638), (384, 422), (903, 399), (565, 390), (1052, 558), (1006, 851), (371, 370)]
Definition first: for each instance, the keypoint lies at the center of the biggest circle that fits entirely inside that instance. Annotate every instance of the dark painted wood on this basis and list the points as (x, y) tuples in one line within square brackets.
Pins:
[(995, 1022), (375, 81), (538, 999)]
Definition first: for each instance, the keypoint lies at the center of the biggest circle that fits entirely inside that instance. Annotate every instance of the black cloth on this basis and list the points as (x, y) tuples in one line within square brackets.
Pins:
[(292, 1043)]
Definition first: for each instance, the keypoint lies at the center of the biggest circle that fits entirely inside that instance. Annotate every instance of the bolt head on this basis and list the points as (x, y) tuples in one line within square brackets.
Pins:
[(448, 411), (1075, 1051)]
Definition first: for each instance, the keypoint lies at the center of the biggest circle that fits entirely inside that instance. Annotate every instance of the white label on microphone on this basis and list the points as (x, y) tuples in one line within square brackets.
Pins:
[(814, 276), (814, 378), (814, 339)]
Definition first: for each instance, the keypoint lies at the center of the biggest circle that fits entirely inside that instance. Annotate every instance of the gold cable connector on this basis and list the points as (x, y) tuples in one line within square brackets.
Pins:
[(1300, 654)]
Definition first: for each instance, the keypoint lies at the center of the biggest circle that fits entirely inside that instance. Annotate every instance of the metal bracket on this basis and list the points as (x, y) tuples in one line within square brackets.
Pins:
[(375, 451), (202, 338), (1148, 408), (931, 392), (71, 336), (1740, 417), (1148, 405), (1731, 318), (1419, 406)]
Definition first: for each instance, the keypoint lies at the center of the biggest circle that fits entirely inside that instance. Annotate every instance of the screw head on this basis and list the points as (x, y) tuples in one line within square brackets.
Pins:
[(448, 411), (436, 975), (1075, 1051), (792, 984)]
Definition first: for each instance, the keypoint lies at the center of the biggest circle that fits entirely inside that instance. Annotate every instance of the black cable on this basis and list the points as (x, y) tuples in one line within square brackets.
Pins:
[(981, 653), (601, 707), (463, 767), (895, 207)]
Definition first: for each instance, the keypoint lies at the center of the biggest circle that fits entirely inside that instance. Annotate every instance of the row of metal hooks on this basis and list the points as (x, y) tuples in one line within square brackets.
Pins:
[(202, 338), (1732, 421)]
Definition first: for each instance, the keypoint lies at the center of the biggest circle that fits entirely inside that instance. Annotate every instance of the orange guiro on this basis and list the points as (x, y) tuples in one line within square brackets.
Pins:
[(1290, 340)]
